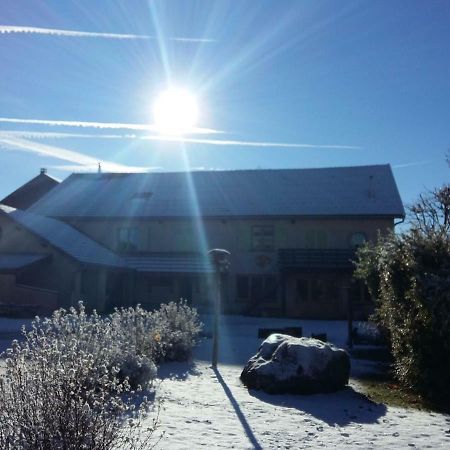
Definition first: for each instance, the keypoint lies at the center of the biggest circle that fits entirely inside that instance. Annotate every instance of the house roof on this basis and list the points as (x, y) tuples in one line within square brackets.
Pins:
[(158, 263), (31, 191), (11, 262), (339, 191), (87, 251), (64, 237)]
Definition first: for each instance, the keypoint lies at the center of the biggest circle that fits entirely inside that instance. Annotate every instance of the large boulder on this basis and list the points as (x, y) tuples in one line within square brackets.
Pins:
[(286, 364)]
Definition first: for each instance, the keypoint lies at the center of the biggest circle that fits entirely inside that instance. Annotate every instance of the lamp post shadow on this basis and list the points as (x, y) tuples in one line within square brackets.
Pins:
[(240, 415)]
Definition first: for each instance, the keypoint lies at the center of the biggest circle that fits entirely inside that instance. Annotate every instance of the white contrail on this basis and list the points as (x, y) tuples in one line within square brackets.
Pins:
[(181, 139), (412, 164), (64, 154), (6, 29), (99, 125), (237, 143)]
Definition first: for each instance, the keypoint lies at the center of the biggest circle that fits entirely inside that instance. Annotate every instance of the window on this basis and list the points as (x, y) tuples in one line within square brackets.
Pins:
[(184, 238), (318, 290), (262, 237), (316, 239), (270, 288), (357, 239), (302, 290), (356, 291), (325, 290), (242, 288), (127, 239), (156, 283), (257, 288), (333, 290)]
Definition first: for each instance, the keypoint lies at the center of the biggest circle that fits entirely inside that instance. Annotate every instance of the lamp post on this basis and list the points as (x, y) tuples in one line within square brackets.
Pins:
[(221, 263)]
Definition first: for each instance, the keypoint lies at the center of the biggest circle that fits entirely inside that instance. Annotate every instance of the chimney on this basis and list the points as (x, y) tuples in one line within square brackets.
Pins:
[(43, 170)]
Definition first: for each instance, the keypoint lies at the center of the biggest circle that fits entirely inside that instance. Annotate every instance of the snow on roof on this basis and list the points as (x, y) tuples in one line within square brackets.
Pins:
[(16, 261), (64, 237), (339, 191)]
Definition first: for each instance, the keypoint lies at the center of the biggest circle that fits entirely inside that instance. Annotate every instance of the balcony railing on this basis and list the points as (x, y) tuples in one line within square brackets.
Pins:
[(315, 259)]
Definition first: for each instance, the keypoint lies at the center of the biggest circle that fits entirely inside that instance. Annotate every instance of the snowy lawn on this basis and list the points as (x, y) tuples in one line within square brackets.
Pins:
[(204, 408)]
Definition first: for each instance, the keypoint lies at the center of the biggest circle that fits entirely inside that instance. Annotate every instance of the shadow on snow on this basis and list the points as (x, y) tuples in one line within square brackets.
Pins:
[(335, 409)]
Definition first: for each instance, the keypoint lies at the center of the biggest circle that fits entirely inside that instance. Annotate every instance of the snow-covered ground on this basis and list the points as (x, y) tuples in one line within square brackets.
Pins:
[(206, 408), (11, 329)]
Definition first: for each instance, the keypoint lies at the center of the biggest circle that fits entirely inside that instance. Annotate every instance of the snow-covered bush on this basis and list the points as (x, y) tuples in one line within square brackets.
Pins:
[(54, 396), (72, 382), (177, 328), (111, 343), (135, 330), (166, 334)]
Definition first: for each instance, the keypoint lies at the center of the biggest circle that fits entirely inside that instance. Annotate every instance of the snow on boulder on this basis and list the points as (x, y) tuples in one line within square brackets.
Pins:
[(286, 364)]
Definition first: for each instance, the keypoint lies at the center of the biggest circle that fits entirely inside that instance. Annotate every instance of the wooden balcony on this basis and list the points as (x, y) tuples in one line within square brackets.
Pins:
[(300, 259)]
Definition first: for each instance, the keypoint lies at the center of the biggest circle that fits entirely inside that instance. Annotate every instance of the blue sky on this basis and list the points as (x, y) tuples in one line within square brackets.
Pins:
[(341, 83)]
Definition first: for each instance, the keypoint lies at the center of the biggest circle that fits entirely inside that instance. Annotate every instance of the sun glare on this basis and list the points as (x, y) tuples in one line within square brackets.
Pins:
[(175, 112)]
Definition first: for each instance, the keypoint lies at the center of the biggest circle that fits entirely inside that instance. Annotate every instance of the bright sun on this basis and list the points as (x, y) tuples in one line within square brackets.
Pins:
[(175, 112)]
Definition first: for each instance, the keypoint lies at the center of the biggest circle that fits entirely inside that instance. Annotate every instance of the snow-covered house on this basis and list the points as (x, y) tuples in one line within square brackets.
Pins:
[(145, 237)]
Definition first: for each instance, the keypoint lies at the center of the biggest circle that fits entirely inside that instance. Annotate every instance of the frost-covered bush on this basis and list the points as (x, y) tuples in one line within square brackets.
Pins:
[(72, 382), (177, 328), (54, 396), (110, 343), (135, 329)]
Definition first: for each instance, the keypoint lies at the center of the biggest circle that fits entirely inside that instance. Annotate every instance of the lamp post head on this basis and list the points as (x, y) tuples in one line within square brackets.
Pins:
[(220, 259)]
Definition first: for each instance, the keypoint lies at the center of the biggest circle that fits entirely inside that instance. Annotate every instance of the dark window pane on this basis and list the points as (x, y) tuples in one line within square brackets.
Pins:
[(318, 290), (333, 292), (302, 290), (355, 291), (321, 239), (357, 239), (159, 282), (256, 290), (270, 288), (242, 288)]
